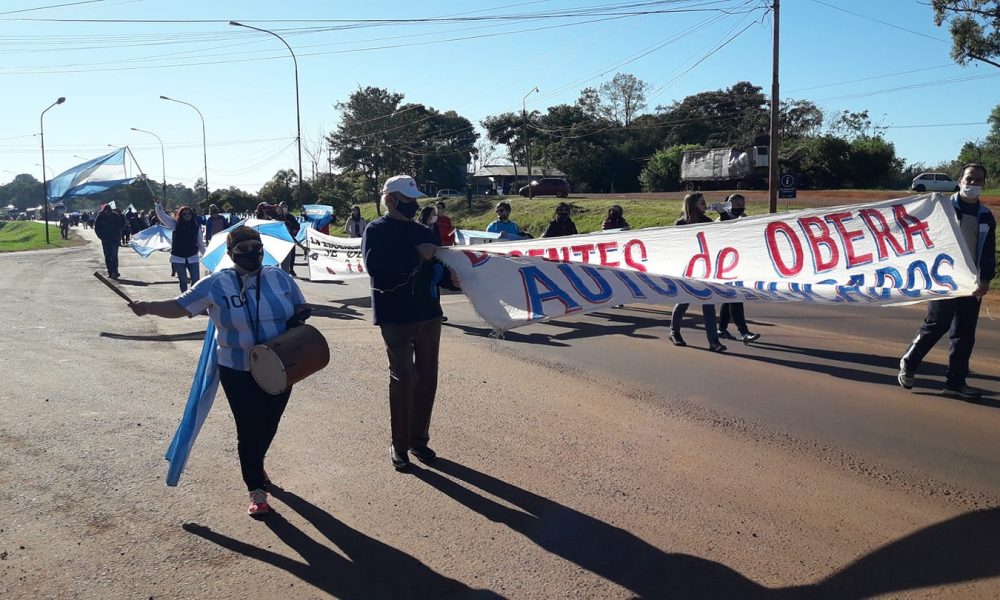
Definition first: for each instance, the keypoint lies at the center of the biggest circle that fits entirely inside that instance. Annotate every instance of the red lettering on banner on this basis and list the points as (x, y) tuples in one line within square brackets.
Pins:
[(516, 253), (476, 258), (584, 251), (823, 238), (553, 254), (631, 260), (703, 255), (838, 220), (880, 230), (721, 268), (911, 226), (770, 236), (536, 251), (602, 249)]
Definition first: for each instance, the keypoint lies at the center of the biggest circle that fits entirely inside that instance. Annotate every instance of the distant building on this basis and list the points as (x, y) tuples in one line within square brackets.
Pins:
[(500, 179)]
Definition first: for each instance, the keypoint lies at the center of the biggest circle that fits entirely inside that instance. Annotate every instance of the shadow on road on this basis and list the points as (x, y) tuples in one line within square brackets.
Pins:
[(172, 337), (137, 283), (605, 550), (539, 339), (344, 313), (851, 373), (370, 570)]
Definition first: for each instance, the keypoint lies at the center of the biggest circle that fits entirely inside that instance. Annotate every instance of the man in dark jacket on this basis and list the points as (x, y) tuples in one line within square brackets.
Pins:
[(108, 227), (959, 315), (399, 257), (562, 224)]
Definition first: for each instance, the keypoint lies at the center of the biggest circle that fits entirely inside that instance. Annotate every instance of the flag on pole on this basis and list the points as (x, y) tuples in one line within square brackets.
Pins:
[(152, 239), (92, 177), (200, 400)]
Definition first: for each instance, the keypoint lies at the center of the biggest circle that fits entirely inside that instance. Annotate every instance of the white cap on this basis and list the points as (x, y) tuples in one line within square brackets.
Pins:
[(404, 184)]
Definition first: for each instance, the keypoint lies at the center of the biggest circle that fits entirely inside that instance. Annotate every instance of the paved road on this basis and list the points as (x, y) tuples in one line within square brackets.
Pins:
[(586, 458)]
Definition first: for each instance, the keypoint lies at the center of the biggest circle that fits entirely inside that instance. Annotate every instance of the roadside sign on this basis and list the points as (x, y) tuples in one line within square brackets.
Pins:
[(786, 181), (786, 193)]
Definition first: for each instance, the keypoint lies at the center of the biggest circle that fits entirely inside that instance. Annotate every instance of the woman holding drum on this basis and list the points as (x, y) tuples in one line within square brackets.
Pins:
[(249, 304)]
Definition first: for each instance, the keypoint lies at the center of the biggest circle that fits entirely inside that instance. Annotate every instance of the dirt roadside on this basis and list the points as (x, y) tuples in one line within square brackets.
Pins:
[(553, 483)]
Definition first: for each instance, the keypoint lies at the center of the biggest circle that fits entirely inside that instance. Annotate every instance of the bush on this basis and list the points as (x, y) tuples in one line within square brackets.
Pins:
[(662, 172)]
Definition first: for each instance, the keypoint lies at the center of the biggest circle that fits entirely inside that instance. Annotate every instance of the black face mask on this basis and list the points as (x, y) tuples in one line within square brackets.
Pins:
[(408, 209), (738, 212), (249, 261)]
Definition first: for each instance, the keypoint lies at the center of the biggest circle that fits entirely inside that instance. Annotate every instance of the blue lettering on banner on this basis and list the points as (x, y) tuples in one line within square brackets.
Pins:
[(940, 278), (910, 289), (703, 294), (633, 289), (604, 291), (803, 291), (531, 277), (670, 290)]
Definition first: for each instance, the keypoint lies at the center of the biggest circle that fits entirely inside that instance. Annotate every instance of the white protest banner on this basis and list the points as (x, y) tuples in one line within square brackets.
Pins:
[(333, 258), (890, 252)]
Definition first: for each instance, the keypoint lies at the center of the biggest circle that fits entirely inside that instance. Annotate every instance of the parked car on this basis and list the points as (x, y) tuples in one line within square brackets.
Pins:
[(934, 182), (547, 186), (449, 193)]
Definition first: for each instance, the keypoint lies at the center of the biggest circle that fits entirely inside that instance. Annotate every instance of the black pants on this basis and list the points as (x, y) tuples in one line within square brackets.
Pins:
[(958, 317), (110, 255), (733, 311), (707, 311), (257, 414), (413, 370)]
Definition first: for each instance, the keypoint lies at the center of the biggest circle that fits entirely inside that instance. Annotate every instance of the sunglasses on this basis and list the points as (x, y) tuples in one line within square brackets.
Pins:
[(248, 246)]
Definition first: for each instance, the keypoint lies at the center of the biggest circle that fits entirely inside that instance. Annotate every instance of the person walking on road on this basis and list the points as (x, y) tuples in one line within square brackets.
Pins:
[(406, 306), (214, 224), (108, 227), (694, 212), (733, 311), (186, 246), (249, 304), (355, 224), (959, 316)]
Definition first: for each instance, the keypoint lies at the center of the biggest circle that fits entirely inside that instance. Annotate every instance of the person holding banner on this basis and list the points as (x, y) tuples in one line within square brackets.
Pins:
[(615, 219), (959, 316), (249, 304), (503, 224), (561, 225), (694, 212), (355, 224), (186, 246), (733, 311), (406, 306)]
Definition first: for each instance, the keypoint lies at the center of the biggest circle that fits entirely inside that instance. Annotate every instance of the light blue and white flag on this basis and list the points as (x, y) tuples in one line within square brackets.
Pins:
[(152, 239), (318, 215), (200, 400), (91, 177)]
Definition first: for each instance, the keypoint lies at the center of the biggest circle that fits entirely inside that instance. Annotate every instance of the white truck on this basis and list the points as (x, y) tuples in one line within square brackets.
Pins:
[(725, 168)]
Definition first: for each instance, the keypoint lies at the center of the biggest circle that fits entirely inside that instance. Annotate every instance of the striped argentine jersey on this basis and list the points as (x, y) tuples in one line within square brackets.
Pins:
[(237, 314)]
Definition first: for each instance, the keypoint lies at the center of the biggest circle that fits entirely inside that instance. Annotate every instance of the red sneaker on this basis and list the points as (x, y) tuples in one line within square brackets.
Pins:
[(258, 504)]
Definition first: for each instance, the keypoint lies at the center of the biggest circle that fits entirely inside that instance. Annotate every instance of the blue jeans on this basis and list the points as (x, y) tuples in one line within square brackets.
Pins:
[(194, 269), (707, 310)]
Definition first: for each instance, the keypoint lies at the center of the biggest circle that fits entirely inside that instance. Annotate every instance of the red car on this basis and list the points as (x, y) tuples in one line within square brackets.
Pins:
[(547, 186)]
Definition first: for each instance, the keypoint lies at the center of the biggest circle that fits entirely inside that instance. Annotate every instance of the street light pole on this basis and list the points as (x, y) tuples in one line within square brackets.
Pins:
[(204, 140), (298, 115), (45, 183), (527, 139), (772, 151), (163, 162)]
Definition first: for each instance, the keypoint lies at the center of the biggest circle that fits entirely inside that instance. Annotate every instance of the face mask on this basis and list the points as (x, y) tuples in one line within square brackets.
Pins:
[(971, 191), (408, 209), (249, 261), (738, 212)]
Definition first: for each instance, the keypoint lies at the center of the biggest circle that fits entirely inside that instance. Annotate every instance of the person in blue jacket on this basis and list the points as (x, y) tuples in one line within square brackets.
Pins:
[(959, 316), (406, 305)]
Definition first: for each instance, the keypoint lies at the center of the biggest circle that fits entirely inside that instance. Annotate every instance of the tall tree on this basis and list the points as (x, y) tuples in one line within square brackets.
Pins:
[(735, 116), (799, 118), (975, 28)]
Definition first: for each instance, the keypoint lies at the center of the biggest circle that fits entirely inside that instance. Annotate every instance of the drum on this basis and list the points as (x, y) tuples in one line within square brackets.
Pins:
[(289, 358)]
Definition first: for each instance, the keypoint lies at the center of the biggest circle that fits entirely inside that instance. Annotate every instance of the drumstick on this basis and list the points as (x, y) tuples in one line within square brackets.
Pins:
[(114, 288)]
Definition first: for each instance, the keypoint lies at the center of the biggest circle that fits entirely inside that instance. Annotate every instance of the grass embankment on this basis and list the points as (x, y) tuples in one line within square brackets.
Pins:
[(16, 236)]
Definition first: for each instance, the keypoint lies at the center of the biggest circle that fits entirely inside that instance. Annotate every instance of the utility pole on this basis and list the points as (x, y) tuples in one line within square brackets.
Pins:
[(527, 140), (772, 150)]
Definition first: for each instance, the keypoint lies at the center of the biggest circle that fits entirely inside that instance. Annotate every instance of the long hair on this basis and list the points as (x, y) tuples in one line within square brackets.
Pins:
[(183, 225), (691, 213), (425, 215)]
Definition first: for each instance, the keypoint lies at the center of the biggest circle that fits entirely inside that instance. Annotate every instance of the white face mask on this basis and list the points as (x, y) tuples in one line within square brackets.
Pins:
[(971, 191)]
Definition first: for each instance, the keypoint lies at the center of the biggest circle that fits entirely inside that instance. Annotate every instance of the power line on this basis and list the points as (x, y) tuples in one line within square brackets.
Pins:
[(24, 10)]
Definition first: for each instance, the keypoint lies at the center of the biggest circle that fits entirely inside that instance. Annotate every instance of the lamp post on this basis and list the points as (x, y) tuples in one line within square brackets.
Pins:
[(45, 183), (163, 162), (527, 139), (298, 116), (204, 142)]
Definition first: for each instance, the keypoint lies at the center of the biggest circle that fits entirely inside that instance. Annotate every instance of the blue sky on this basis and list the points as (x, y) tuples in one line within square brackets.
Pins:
[(842, 54)]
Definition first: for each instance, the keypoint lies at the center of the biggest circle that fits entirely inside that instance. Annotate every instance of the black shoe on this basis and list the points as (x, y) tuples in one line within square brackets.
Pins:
[(749, 338), (423, 454), (905, 376), (444, 319), (677, 340), (964, 392), (399, 461), (724, 334), (717, 348)]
